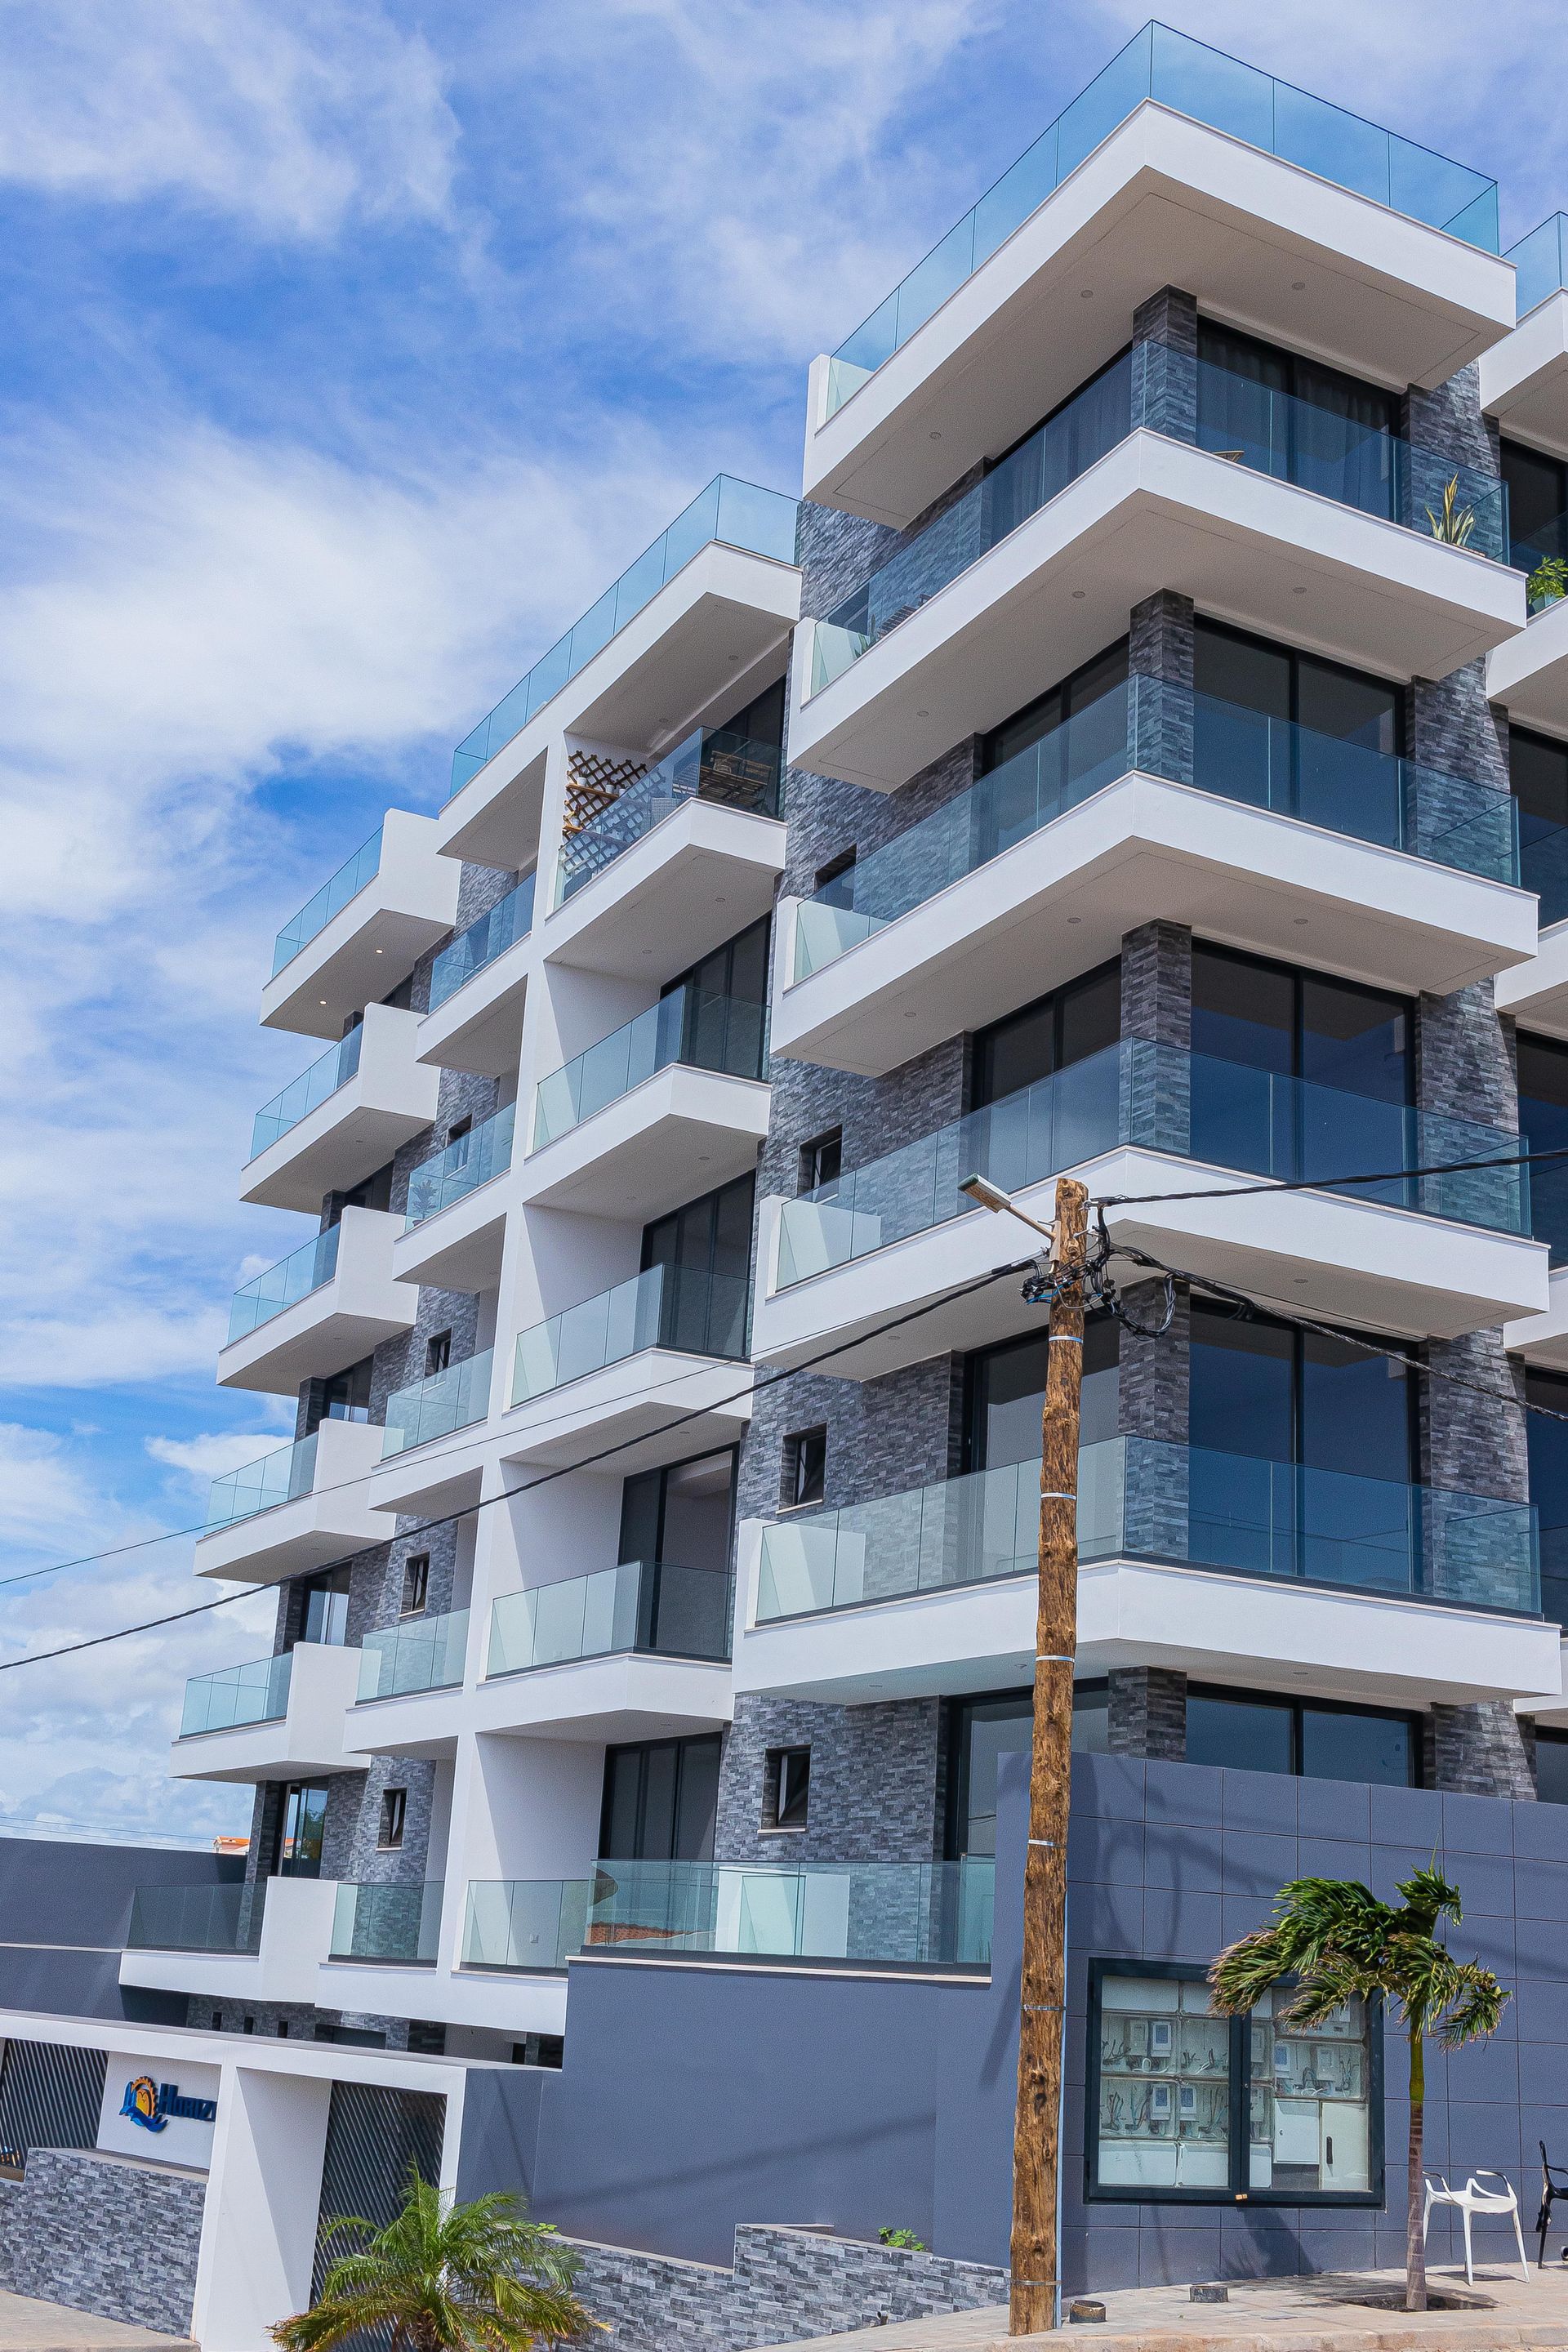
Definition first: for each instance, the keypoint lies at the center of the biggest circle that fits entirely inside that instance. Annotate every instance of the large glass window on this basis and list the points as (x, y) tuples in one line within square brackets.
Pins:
[(1184, 2105), (1288, 730), (683, 1512), (1537, 504), (1069, 1026), (1548, 1444), (1052, 754), (724, 1017), (661, 1798), (1544, 1127), (1295, 418), (324, 1607), (1257, 1731), (705, 1252), (344, 1397), (1551, 1766), (1538, 778), (301, 1826), (979, 1732), (1005, 1393)]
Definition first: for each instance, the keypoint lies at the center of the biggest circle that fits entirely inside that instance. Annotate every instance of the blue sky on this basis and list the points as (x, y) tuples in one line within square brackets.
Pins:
[(351, 352)]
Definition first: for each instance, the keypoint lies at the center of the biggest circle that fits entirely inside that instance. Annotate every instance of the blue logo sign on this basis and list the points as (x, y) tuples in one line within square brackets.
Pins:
[(151, 2105)]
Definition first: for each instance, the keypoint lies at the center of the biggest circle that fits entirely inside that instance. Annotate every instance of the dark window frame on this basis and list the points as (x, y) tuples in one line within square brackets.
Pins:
[(786, 1816), (1239, 2190), (414, 1598), (681, 1744), (393, 1820), (1296, 655), (1297, 1705), (797, 1450)]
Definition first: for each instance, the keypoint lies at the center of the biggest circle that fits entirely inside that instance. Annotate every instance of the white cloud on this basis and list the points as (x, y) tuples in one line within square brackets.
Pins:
[(288, 121), (205, 1458)]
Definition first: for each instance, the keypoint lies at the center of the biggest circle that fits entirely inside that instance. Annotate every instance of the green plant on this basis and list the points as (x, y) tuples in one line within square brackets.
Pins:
[(1549, 581), (1456, 523), (443, 2277), (1339, 1943), (905, 2237)]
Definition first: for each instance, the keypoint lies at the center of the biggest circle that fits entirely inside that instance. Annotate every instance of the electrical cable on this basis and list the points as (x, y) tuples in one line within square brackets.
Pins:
[(1328, 1183)]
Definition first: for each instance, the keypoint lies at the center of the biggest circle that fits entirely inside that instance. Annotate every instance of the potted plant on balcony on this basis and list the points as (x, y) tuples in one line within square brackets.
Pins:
[(1335, 1942), (443, 2277), (1548, 584)]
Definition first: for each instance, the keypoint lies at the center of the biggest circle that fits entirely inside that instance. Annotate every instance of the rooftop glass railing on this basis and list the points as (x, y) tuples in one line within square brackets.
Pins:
[(1194, 1106), (737, 513), (279, 1478), (1540, 263), (1191, 79), (308, 1268), (387, 1923), (713, 764), (1237, 753), (437, 1406), (255, 1692), (528, 1924), (486, 937), (1234, 418), (918, 1913), (705, 1031), (1144, 1497), (466, 1163), (656, 1605), (686, 1307), (330, 900), (308, 1092), (198, 1918), (421, 1653)]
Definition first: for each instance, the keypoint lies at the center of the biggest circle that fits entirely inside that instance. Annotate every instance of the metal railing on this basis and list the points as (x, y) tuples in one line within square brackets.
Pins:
[(922, 1914), (387, 1923), (435, 1407), (280, 1478), (657, 1606), (486, 937), (257, 1692), (310, 1267), (308, 1092), (727, 1034), (689, 1309), (534, 1925), (469, 1162), (197, 1918), (330, 900), (714, 764), (421, 1653)]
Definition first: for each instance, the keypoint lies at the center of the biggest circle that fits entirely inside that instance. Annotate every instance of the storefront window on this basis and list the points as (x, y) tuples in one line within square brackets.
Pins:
[(1169, 2086)]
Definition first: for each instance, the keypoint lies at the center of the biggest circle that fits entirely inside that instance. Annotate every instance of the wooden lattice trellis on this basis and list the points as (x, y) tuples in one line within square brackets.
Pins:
[(595, 781)]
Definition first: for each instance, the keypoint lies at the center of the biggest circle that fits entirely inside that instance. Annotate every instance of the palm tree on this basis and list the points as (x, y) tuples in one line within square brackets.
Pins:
[(1339, 1943), (445, 2278)]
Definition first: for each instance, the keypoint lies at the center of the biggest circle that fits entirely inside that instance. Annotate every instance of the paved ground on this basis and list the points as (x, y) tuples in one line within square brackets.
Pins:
[(1320, 2315), (27, 2326)]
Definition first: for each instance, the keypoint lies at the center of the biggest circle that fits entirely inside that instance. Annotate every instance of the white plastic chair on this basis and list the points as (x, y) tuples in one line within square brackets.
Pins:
[(1471, 2199)]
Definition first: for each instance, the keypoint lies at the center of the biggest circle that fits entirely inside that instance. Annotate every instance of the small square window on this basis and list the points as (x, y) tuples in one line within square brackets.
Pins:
[(415, 1583), (822, 1164), (459, 1129), (805, 1481), (282, 2029), (437, 1353), (786, 1787), (394, 1812)]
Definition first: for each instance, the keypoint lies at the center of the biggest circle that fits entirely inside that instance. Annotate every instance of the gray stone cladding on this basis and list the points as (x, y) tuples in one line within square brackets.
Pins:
[(785, 2283), (1478, 1751), (1147, 1715), (1161, 649), (1165, 375), (876, 1782), (267, 2018), (112, 2234)]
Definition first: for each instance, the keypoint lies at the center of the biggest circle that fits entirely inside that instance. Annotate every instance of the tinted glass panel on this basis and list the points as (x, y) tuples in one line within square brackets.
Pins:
[(1246, 670), (1243, 1386), (1355, 1039), (1337, 1745), (1064, 1027), (1544, 1124), (623, 1778), (1243, 1010), (696, 1496), (1547, 1444), (697, 1801), (1247, 1735), (1008, 1391), (1551, 1767), (1537, 494), (981, 1730), (1355, 1411)]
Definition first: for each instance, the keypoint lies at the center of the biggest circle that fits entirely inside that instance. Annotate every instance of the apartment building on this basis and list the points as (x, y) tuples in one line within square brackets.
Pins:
[(1142, 751)]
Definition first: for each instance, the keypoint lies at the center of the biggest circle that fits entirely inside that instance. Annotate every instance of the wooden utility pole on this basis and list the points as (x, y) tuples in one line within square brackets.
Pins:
[(1036, 2134)]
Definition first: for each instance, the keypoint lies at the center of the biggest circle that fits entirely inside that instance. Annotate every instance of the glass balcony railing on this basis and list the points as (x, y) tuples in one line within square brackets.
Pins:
[(1195, 80), (279, 1478), (528, 1924), (472, 1161), (655, 1606), (308, 1092), (486, 937), (1238, 418), (1540, 263), (330, 900), (436, 1407), (1194, 1106), (923, 1913), (421, 1653), (707, 1033), (1237, 753), (1145, 1498), (310, 1267), (714, 764), (198, 1918), (685, 1308), (387, 1923), (737, 513), (255, 1692)]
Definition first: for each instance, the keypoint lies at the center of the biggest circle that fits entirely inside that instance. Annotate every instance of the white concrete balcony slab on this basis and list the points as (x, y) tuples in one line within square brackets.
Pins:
[(295, 1510), (680, 1131), (280, 1719), (1524, 379), (661, 1406), (1543, 1338), (630, 1697), (1140, 849), (354, 953), (1528, 674), (458, 1203), (343, 1117), (1325, 1253), (1153, 513), (287, 1945), (721, 615), (478, 989), (283, 1333), (1059, 255), (435, 1444), (693, 881), (1536, 993), (500, 2000)]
